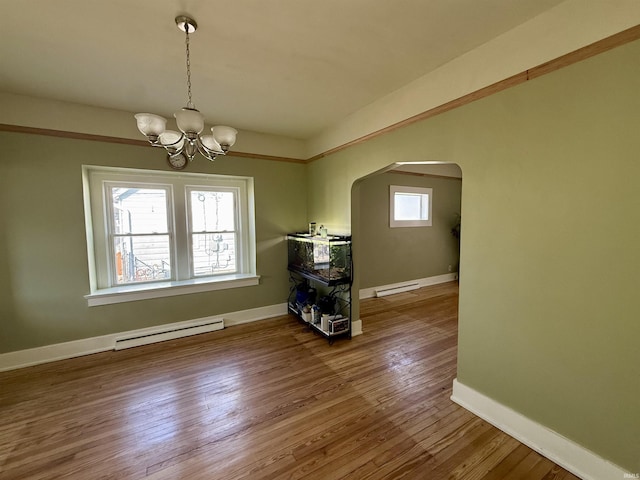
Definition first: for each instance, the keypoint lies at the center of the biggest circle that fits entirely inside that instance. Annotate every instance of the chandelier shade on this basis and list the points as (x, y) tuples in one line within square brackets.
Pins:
[(190, 122), (224, 135), (171, 139), (211, 143), (150, 125)]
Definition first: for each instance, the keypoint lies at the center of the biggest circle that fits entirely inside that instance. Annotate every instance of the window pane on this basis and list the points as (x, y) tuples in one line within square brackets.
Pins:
[(411, 206), (214, 253), (212, 211), (139, 210), (142, 258)]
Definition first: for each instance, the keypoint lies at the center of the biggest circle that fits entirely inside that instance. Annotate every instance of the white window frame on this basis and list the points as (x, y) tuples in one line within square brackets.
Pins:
[(97, 209), (240, 226), (105, 241), (399, 189)]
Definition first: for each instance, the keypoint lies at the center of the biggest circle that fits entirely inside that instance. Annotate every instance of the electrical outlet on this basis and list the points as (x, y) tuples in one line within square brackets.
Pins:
[(451, 268)]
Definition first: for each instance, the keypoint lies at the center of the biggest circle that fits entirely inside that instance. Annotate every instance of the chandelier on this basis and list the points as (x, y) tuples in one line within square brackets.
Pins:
[(182, 146)]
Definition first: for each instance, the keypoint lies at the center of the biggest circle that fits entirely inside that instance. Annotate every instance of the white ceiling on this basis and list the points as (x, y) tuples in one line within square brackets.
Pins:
[(285, 67)]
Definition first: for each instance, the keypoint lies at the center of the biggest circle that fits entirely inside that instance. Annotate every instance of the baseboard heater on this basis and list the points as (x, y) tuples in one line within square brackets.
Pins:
[(169, 332), (383, 292)]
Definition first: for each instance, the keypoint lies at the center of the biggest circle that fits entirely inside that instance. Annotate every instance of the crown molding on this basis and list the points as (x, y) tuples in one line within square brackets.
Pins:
[(125, 141), (622, 38)]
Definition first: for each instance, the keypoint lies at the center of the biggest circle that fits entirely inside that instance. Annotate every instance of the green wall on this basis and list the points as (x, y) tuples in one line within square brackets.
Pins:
[(43, 252), (549, 306), (393, 255)]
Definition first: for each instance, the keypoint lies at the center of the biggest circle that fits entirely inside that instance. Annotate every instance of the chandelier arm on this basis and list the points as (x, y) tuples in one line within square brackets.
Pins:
[(211, 151), (172, 148), (206, 152)]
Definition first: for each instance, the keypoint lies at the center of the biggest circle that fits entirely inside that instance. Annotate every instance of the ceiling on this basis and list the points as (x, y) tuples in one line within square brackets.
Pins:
[(284, 67)]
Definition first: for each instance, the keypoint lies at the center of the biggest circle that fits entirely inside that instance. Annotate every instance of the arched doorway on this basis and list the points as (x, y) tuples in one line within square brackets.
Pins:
[(390, 260)]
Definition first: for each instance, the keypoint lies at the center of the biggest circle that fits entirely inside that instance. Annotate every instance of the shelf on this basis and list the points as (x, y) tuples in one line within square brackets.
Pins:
[(316, 328), (319, 278), (320, 270), (318, 238)]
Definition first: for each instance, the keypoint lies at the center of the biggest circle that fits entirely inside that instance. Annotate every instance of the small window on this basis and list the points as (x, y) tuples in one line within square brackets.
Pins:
[(410, 206)]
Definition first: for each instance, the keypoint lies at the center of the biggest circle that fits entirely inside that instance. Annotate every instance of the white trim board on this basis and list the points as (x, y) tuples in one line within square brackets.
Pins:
[(356, 327), (422, 282), (566, 453), (87, 346)]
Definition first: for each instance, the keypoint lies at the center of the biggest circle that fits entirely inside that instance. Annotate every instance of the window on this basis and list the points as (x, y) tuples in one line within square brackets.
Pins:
[(410, 206), (152, 234), (140, 239), (213, 231)]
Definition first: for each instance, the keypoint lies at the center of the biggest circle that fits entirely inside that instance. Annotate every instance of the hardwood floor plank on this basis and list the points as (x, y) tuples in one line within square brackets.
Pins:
[(266, 400)]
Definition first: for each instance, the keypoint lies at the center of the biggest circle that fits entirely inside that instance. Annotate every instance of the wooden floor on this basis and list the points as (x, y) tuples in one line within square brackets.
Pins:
[(267, 400)]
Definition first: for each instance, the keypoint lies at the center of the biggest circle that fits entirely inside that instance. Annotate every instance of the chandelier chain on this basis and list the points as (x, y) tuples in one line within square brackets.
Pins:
[(190, 102)]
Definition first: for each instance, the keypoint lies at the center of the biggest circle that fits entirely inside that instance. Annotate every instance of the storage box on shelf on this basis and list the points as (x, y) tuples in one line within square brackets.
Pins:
[(320, 275)]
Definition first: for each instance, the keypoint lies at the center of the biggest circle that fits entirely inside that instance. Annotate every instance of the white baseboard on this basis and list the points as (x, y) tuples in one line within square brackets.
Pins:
[(422, 282), (254, 314), (86, 346), (356, 327), (566, 453)]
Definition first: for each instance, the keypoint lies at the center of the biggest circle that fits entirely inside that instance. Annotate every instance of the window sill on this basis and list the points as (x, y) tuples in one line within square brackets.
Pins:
[(132, 293)]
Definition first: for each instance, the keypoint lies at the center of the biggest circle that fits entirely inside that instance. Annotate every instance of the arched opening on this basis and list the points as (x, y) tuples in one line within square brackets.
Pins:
[(394, 259)]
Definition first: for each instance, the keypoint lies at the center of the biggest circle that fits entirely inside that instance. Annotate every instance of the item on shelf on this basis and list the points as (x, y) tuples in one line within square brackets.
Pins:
[(328, 320), (305, 294), (312, 228), (316, 315), (327, 259), (338, 325), (305, 313), (327, 305)]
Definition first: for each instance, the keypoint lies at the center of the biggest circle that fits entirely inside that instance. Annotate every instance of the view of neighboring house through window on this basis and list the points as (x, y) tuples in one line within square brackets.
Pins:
[(145, 227), (213, 231), (139, 229)]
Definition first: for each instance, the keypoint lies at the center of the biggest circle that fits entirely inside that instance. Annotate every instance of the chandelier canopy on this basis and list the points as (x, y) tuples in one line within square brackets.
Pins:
[(182, 146)]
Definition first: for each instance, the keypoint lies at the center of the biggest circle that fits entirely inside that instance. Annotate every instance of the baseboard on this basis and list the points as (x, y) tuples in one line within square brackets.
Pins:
[(566, 453), (87, 346), (422, 282), (254, 314), (356, 328)]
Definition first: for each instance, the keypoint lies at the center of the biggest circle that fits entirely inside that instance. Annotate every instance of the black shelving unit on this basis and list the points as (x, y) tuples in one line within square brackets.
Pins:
[(323, 265)]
